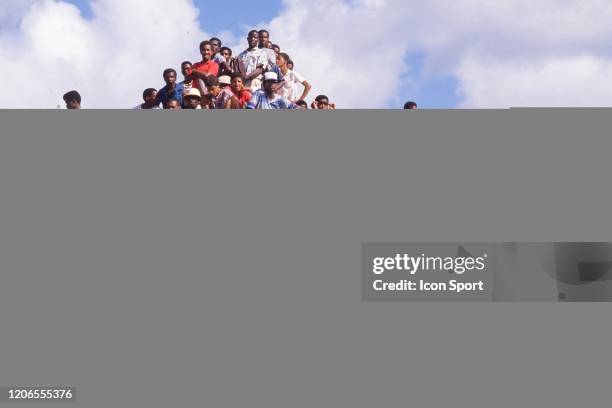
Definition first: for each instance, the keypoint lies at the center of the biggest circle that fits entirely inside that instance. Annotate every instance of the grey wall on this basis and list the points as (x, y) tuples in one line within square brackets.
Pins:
[(212, 259)]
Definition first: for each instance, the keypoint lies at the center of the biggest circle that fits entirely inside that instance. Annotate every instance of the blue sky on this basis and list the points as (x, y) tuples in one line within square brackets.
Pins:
[(216, 16)]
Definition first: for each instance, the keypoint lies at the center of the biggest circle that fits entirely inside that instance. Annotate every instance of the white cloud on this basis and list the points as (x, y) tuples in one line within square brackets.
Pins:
[(110, 59), (353, 53), (553, 81), (11, 11), (503, 53)]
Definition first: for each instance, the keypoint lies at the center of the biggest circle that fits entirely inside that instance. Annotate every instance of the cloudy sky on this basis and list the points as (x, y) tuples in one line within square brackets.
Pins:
[(362, 53)]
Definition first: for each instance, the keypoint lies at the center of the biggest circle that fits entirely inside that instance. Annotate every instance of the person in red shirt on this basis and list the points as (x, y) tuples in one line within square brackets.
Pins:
[(242, 93), (207, 67)]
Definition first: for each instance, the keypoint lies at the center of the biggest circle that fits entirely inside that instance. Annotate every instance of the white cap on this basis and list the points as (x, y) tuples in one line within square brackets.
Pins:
[(193, 92), (270, 76)]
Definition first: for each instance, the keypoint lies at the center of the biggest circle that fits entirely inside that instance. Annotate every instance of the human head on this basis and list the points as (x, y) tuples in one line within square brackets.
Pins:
[(322, 102), (270, 82), (216, 44), (226, 53), (276, 48), (192, 99), (410, 105), (264, 38), (212, 84), (73, 100), (206, 50), (186, 66), (224, 81), (282, 59), (170, 77), (149, 95), (290, 65), (172, 104), (302, 104), (237, 82), (253, 38)]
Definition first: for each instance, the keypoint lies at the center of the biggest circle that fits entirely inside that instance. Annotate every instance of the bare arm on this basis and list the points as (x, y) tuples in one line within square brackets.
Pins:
[(206, 102), (307, 88), (232, 103), (255, 74), (198, 75)]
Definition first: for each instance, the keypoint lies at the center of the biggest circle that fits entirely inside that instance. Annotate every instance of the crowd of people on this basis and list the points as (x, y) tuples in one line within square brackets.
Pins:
[(260, 77)]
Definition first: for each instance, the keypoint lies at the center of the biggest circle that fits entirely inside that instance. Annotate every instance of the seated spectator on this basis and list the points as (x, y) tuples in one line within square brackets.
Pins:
[(243, 94), (267, 98), (172, 90), (252, 62), (205, 68), (219, 98), (301, 104), (289, 87), (150, 99), (172, 104), (225, 81), (186, 70), (321, 102), (410, 105), (192, 99), (230, 62), (73, 100)]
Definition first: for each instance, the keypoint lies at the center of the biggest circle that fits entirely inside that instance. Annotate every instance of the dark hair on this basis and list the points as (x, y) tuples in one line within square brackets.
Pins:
[(226, 48), (319, 98), (186, 62), (211, 80), (72, 96), (303, 103), (172, 100), (291, 62), (237, 75), (285, 56), (264, 31), (148, 92), (216, 39), (251, 32), (276, 46), (410, 105), (169, 70), (205, 42)]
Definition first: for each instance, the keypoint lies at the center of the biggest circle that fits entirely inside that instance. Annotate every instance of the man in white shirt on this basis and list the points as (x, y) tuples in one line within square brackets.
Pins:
[(266, 45), (289, 87), (252, 62)]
